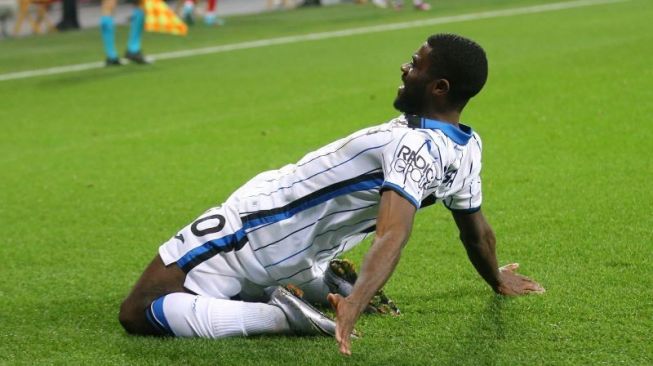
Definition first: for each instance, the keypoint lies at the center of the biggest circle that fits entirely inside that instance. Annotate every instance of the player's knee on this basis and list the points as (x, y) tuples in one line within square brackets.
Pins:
[(132, 318)]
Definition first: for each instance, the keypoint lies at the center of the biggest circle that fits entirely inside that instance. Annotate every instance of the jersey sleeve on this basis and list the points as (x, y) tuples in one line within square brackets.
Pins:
[(468, 199), (410, 165)]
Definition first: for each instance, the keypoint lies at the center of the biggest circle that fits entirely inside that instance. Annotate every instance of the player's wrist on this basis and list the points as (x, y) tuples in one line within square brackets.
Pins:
[(357, 303), (499, 289), (496, 283)]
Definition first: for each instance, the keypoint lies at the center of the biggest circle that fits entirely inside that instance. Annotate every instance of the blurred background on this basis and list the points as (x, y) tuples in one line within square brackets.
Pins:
[(19, 18)]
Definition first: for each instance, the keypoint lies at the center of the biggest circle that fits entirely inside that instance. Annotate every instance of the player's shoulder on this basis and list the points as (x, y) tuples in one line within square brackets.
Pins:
[(462, 137), (382, 134), (402, 130), (476, 139), (382, 130), (475, 142)]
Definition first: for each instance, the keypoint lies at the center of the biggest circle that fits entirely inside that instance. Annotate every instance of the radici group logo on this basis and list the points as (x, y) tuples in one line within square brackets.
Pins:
[(414, 166)]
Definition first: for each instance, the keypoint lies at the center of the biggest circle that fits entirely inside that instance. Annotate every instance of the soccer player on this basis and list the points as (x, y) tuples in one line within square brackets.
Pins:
[(285, 226)]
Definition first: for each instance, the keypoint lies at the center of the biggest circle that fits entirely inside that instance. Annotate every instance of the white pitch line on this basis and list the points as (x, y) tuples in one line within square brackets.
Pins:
[(323, 35)]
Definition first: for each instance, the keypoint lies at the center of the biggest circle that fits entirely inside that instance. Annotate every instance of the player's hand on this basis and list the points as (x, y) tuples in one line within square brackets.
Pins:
[(346, 315), (514, 284)]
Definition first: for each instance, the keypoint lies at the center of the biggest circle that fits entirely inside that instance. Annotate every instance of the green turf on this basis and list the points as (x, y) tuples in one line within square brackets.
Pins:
[(99, 167)]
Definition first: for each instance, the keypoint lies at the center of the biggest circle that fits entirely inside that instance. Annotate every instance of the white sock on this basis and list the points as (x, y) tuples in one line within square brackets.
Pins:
[(187, 315)]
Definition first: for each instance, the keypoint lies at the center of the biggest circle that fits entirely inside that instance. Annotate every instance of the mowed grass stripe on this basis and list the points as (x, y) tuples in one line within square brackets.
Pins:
[(320, 36)]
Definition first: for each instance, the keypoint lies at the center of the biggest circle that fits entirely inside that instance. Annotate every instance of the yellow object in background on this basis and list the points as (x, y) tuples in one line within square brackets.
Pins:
[(160, 18)]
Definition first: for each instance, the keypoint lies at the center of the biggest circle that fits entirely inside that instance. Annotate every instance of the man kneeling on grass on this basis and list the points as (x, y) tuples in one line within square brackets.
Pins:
[(223, 275)]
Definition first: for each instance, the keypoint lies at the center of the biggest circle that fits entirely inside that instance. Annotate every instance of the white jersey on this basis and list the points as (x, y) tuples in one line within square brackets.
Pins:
[(301, 216)]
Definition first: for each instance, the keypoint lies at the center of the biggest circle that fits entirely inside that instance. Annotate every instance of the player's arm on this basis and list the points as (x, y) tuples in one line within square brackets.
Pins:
[(480, 243), (394, 224)]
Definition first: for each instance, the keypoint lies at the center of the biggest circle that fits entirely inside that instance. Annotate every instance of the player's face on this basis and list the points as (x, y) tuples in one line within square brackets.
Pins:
[(413, 95)]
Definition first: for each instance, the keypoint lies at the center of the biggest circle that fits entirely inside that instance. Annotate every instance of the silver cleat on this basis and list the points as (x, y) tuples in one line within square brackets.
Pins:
[(303, 318)]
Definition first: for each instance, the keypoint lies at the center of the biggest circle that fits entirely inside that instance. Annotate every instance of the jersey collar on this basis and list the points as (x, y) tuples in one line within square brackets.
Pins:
[(460, 135)]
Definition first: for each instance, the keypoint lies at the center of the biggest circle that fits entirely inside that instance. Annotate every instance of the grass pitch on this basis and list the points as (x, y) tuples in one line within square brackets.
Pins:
[(100, 167)]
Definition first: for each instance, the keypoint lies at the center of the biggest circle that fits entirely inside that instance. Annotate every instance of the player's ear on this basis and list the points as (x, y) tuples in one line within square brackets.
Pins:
[(440, 87)]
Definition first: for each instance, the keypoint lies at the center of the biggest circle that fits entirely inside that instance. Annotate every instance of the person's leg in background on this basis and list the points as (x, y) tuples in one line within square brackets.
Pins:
[(108, 31), (68, 16), (211, 16), (188, 12), (134, 52)]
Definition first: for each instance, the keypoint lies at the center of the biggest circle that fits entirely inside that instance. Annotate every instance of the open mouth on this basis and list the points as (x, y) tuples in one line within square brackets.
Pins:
[(402, 86)]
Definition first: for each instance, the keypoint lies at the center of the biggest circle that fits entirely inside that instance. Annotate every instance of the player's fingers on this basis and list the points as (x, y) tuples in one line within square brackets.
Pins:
[(536, 288), (345, 350), (541, 290), (345, 345), (344, 333), (338, 332), (339, 335), (529, 286), (340, 342), (510, 267)]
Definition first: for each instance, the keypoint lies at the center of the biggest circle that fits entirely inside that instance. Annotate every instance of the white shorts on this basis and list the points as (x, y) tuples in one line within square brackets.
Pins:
[(216, 256)]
